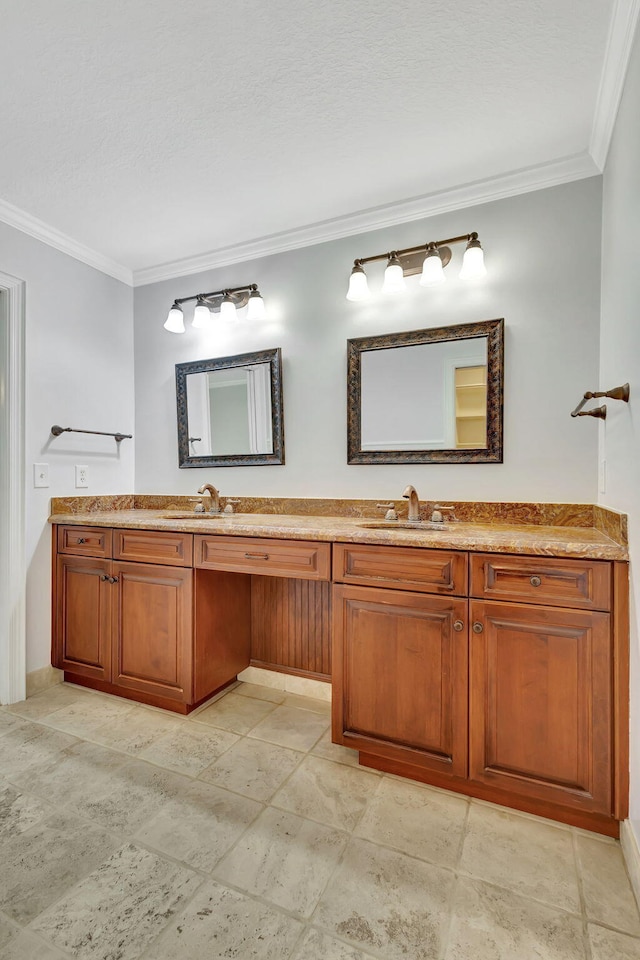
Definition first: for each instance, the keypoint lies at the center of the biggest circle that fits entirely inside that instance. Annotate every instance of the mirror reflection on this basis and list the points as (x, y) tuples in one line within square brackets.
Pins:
[(427, 395), (230, 410)]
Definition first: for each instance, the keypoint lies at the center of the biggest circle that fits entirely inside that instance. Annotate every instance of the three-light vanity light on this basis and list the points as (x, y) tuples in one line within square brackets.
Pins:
[(225, 302), (430, 258)]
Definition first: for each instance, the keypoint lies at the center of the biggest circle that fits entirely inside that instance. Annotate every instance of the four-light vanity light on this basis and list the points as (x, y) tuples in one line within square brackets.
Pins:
[(431, 258), (225, 302)]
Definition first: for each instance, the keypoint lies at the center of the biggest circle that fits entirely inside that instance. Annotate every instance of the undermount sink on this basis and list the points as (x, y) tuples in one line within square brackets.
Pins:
[(171, 515), (404, 525)]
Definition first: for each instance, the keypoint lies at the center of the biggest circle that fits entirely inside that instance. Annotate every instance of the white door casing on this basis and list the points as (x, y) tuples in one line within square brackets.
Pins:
[(12, 491)]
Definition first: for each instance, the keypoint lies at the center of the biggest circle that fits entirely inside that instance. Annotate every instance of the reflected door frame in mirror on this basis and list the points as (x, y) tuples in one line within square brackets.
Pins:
[(493, 330), (274, 359)]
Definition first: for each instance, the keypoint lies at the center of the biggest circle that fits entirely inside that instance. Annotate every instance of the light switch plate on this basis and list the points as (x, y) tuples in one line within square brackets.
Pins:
[(41, 474), (82, 475)]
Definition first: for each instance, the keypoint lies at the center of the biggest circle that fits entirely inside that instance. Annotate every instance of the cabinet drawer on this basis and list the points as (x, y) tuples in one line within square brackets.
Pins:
[(584, 584), (85, 541), (300, 559), (401, 568), (152, 546)]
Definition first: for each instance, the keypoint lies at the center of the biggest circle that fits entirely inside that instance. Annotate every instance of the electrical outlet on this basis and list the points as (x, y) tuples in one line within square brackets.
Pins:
[(41, 474), (603, 476), (82, 475)]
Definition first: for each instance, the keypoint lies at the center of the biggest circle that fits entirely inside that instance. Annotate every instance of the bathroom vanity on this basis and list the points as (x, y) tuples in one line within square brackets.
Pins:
[(490, 659)]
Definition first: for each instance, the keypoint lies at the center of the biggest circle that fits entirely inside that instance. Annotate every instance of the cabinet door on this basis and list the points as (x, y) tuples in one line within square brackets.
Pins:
[(540, 703), (83, 617), (400, 677), (152, 617)]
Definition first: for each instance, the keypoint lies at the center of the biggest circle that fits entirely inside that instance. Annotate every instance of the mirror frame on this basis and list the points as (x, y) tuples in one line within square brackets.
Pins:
[(274, 357), (493, 330)]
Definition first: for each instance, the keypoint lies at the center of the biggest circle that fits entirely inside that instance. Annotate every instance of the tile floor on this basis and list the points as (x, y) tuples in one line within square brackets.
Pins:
[(243, 832)]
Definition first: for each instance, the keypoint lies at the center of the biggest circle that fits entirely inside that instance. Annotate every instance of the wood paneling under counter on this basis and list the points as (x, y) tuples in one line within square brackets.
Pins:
[(291, 626)]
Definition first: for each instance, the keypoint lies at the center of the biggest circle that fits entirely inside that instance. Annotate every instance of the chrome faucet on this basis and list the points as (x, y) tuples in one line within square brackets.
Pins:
[(215, 497), (413, 516)]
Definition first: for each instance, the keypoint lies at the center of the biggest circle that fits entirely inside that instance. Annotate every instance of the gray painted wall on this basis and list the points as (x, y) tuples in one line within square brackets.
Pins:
[(543, 258), (620, 362), (79, 373)]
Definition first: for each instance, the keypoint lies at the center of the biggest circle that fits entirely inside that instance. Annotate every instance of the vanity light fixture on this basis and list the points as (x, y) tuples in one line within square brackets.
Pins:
[(427, 259), (225, 302)]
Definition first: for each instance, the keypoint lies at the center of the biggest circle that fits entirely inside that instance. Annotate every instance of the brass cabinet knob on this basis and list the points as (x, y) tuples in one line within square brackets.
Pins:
[(104, 577), (478, 627), (81, 540), (535, 581), (458, 625)]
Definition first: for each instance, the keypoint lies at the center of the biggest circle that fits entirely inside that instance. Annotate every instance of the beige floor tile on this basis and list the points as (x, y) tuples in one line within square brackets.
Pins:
[(119, 908), (200, 825), (9, 721), (190, 748), (55, 698), (253, 768), (424, 823), (329, 792), (388, 903), (494, 924), (40, 865), (18, 812), (26, 946), (308, 703), (235, 713), (220, 924), (335, 751), (86, 716), (527, 856), (132, 795), (8, 930), (30, 744), (83, 767), (611, 945), (291, 727), (319, 946), (285, 859), (136, 730), (259, 693), (607, 890)]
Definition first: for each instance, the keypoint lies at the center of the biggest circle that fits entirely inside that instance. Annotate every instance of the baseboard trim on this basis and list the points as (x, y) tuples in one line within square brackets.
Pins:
[(304, 686), (39, 680), (631, 853)]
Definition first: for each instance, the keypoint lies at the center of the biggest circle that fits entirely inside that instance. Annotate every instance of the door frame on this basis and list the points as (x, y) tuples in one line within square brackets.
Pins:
[(12, 492)]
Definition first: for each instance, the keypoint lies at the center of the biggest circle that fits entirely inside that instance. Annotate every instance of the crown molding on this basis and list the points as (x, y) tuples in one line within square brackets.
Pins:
[(14, 217), (622, 30), (526, 180)]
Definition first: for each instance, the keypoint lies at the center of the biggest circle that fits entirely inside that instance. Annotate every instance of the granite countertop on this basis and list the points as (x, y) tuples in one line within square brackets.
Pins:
[(495, 537)]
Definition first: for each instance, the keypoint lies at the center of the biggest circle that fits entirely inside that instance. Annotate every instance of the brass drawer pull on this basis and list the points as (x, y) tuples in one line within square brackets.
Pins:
[(257, 556), (478, 627), (81, 540), (535, 581), (458, 625)]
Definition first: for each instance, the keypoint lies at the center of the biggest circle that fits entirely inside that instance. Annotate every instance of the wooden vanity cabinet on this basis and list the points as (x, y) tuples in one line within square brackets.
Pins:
[(122, 627)]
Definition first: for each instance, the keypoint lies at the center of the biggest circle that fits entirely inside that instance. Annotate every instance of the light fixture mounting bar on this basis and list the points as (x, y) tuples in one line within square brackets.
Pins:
[(248, 287), (420, 248)]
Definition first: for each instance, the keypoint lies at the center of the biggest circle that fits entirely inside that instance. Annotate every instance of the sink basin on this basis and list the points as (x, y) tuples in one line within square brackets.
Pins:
[(403, 525), (172, 515)]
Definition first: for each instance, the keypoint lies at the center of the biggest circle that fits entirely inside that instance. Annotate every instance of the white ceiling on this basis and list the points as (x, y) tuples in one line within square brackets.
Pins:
[(153, 132)]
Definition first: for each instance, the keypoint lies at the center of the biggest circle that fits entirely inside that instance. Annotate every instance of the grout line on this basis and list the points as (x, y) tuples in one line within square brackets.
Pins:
[(583, 904)]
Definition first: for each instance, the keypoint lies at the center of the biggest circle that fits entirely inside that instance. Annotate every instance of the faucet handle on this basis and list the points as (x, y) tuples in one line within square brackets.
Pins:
[(228, 507), (390, 508), (438, 510), (199, 505)]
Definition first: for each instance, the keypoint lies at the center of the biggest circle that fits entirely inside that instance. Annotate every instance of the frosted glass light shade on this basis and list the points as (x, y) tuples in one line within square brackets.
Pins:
[(228, 310), (201, 315), (358, 286), (393, 277), (473, 261), (255, 308), (175, 321), (432, 271)]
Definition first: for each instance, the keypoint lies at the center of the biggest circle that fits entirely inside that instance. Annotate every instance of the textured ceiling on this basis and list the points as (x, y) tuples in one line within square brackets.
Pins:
[(160, 130)]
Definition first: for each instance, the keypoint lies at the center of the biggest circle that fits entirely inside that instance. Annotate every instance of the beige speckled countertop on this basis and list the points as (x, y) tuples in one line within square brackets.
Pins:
[(496, 537)]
